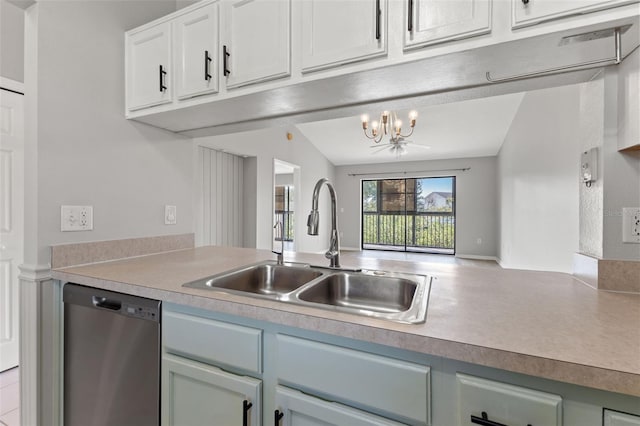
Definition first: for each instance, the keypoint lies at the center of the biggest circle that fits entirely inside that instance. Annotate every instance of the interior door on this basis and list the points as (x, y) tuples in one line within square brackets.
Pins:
[(11, 221)]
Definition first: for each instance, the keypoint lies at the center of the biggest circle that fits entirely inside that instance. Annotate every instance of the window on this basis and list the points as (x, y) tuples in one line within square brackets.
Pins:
[(416, 214)]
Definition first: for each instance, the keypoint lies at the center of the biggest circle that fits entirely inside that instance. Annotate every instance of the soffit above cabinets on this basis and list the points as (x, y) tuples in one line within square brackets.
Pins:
[(436, 80)]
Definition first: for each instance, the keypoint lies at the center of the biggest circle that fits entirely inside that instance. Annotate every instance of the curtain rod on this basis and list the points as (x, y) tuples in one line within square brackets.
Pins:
[(464, 169)]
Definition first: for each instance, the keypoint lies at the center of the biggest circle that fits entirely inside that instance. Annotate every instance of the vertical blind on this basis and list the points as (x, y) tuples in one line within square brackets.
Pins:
[(222, 198)]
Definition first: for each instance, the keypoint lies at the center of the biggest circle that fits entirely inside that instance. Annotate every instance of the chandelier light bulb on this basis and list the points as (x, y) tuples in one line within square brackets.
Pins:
[(413, 115), (374, 125)]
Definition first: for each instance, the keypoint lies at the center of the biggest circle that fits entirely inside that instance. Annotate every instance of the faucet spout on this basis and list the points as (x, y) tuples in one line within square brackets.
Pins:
[(333, 254)]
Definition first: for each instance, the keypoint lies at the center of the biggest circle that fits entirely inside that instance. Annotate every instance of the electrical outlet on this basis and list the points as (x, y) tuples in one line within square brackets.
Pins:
[(170, 215), (76, 218), (631, 225)]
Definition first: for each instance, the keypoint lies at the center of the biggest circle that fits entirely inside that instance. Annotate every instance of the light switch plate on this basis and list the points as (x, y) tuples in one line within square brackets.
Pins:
[(170, 215), (76, 218), (631, 225)]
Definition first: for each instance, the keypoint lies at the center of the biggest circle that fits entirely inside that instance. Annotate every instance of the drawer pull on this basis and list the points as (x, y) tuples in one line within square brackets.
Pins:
[(246, 406), (484, 420), (278, 415), (525, 2)]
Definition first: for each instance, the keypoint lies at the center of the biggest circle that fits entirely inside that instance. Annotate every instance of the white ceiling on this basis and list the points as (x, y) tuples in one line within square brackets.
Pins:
[(473, 128)]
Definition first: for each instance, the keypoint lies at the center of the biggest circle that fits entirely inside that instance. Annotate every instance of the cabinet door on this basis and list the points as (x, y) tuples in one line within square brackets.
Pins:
[(299, 409), (337, 32), (531, 12), (198, 394), (196, 47), (615, 418), (436, 21), (257, 41), (148, 67)]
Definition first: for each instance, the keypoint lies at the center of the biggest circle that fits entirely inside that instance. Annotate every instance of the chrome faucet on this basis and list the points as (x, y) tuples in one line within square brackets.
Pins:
[(333, 254), (280, 257)]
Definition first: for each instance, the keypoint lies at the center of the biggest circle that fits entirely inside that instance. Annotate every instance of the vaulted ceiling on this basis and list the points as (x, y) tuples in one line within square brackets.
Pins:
[(472, 128)]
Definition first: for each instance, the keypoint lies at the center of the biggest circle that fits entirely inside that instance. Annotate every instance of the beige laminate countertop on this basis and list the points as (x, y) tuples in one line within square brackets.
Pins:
[(543, 324)]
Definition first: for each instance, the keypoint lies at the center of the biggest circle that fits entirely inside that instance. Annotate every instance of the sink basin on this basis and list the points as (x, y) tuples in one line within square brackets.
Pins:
[(360, 291), (393, 296), (266, 279)]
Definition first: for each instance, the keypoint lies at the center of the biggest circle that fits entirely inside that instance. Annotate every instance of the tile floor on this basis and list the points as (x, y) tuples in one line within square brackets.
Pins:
[(10, 397)]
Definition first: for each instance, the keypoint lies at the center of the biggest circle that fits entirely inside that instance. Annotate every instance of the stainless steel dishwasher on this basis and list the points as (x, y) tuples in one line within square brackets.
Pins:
[(111, 358)]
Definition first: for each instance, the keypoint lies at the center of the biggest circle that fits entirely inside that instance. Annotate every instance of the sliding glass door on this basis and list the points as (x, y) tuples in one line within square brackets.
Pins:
[(415, 214)]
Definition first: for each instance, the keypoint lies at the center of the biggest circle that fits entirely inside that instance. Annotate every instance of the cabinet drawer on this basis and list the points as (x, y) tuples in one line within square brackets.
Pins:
[(214, 342), (372, 382), (504, 403), (615, 418)]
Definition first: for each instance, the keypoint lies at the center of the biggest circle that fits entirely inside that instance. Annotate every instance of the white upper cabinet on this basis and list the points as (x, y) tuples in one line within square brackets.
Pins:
[(335, 32), (196, 52), (436, 21), (148, 66), (531, 12), (257, 41)]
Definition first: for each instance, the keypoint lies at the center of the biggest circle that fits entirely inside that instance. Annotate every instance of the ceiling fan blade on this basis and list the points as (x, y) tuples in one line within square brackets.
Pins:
[(417, 145), (380, 149)]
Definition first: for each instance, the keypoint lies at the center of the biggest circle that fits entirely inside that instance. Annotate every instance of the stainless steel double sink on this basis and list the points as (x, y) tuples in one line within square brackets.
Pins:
[(393, 296)]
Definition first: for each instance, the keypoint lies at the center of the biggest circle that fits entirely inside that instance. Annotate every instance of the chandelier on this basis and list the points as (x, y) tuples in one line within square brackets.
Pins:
[(388, 125)]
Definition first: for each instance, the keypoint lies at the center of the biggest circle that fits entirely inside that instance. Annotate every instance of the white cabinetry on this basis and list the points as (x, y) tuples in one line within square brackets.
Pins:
[(531, 12), (298, 409), (336, 32), (199, 394), (629, 102), (429, 22), (196, 52), (257, 41), (148, 66), (483, 399), (614, 418)]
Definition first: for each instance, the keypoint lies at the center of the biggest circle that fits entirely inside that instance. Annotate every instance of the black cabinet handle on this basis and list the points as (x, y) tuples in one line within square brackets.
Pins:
[(484, 420), (207, 64), (246, 406), (410, 16), (225, 55), (378, 14), (277, 417), (525, 2), (162, 74)]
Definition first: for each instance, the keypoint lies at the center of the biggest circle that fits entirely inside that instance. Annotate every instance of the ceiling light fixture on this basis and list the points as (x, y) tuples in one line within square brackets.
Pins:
[(388, 124)]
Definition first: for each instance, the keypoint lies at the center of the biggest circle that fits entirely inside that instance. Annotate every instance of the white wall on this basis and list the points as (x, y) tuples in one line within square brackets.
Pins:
[(475, 198), (11, 41), (621, 174), (265, 145), (79, 147), (538, 171)]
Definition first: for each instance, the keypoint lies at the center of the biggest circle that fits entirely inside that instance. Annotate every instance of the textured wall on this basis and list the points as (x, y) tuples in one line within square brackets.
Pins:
[(591, 131)]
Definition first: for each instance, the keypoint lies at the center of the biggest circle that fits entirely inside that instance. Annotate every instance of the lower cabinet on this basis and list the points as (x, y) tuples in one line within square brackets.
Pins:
[(199, 394), (298, 409)]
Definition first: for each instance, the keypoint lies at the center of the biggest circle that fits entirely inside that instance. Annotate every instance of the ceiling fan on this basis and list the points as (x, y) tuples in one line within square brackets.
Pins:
[(397, 146)]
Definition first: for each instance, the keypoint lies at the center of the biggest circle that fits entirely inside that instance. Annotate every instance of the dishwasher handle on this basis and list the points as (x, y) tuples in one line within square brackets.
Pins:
[(103, 302)]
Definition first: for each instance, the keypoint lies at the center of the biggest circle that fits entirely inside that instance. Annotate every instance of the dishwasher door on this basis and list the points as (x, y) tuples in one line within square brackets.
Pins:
[(111, 358)]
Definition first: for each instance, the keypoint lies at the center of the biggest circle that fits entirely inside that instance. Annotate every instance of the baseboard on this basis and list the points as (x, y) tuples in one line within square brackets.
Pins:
[(477, 257), (350, 249)]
